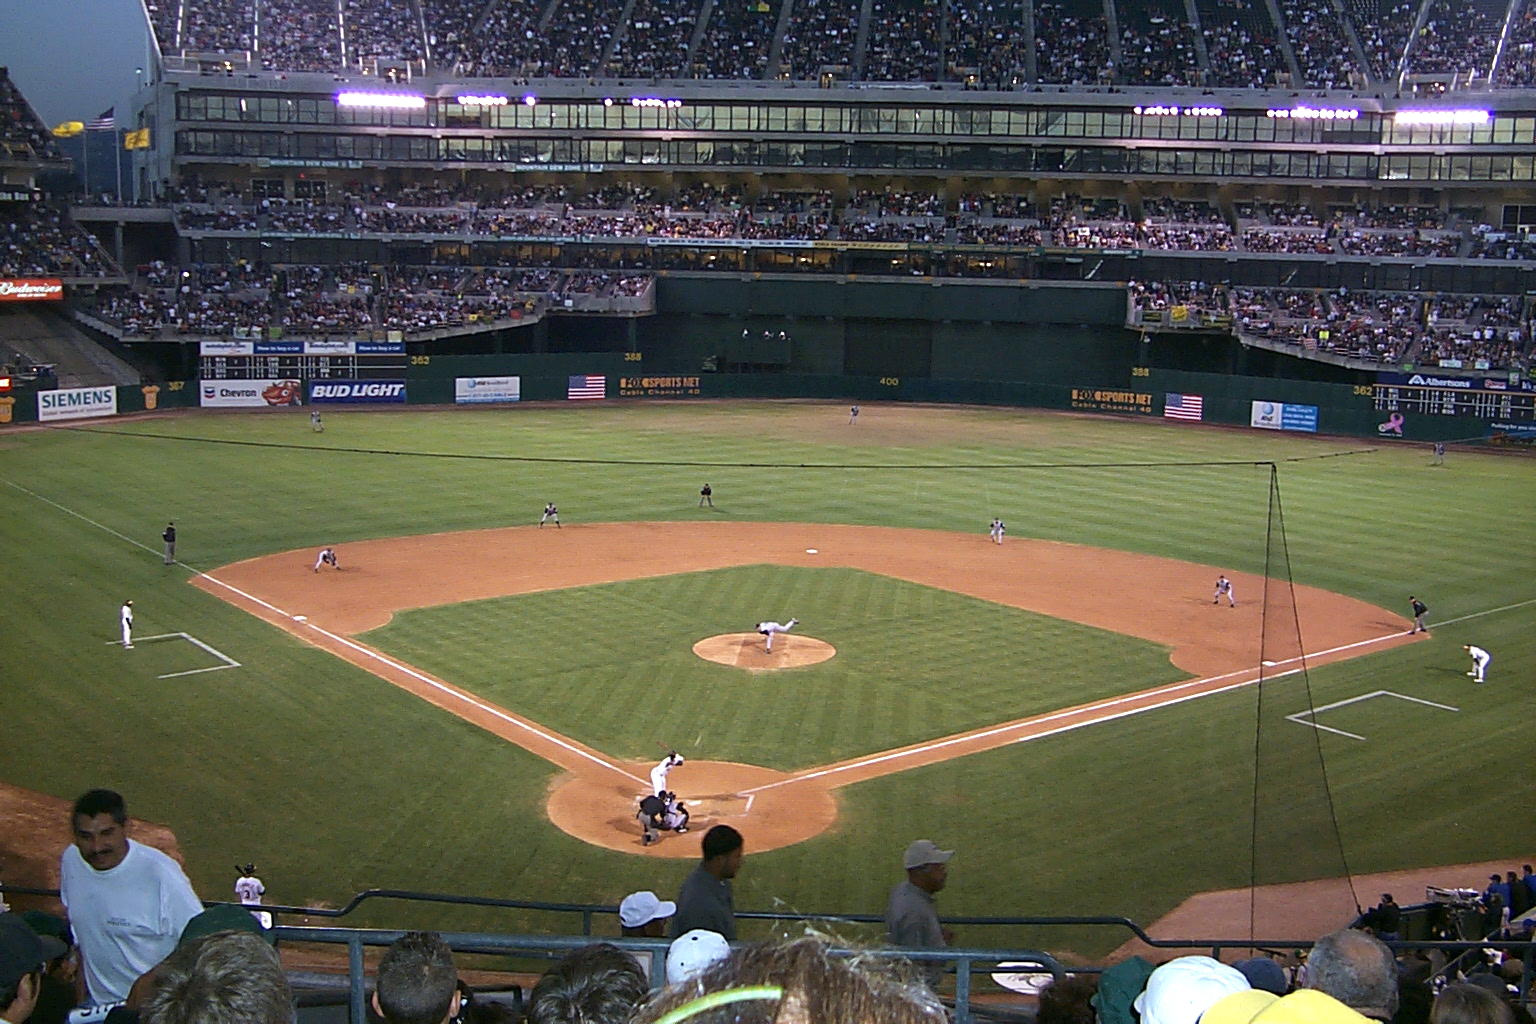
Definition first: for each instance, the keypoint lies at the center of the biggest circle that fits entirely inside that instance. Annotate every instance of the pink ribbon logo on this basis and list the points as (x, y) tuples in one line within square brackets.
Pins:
[(1394, 425)]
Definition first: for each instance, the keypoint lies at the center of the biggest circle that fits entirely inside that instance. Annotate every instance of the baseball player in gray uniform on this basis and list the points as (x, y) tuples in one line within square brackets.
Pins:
[(1224, 588), (997, 530), (772, 629)]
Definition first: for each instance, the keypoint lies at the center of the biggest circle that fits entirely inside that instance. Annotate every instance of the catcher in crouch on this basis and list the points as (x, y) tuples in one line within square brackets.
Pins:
[(660, 811), (771, 629)]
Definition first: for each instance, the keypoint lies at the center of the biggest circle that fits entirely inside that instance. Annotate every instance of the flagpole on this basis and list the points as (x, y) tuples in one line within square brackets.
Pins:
[(117, 160), (85, 147)]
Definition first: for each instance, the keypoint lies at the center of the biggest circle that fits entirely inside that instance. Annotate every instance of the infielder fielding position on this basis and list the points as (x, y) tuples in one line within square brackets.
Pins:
[(770, 629), (327, 556)]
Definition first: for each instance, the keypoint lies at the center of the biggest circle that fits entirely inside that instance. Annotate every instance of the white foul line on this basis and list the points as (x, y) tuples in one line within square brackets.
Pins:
[(450, 691), (1028, 723)]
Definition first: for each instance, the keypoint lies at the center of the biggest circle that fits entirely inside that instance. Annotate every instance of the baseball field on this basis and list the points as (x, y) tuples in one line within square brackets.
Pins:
[(472, 702)]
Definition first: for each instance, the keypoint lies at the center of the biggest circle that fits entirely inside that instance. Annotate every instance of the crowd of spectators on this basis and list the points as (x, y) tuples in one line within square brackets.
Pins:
[(1320, 41), (1458, 37), (1238, 43), (1200, 297), (903, 44), (820, 36), (22, 135), (1241, 44), (1517, 64), (341, 299), (737, 38), (184, 964), (37, 239), (1157, 45), (1071, 43), (1386, 37)]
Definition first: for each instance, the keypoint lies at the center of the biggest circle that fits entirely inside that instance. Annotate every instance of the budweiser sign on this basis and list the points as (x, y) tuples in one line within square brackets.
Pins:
[(31, 289)]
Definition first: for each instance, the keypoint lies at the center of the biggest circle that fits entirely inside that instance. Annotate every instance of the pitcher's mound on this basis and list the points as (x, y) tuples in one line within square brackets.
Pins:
[(745, 650)]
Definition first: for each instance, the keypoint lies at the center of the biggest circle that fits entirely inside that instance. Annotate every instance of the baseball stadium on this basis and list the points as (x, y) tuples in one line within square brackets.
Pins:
[(652, 371)]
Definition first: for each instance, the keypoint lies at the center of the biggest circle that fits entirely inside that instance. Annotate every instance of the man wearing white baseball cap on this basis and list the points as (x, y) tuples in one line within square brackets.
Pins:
[(693, 951), (644, 915), (910, 917)]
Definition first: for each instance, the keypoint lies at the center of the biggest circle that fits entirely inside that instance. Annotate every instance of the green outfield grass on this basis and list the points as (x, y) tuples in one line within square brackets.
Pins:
[(333, 781)]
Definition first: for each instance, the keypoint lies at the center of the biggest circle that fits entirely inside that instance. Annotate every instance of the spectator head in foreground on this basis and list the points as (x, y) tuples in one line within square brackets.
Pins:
[(418, 983), (927, 865), (797, 982), (692, 952), (1358, 970), (597, 984), (1181, 990), (225, 978), (99, 824), (1068, 1000), (1464, 1003), (643, 914), (1255, 1006), (23, 956), (723, 850)]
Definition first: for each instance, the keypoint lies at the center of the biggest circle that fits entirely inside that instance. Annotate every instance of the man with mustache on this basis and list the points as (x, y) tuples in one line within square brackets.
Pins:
[(127, 902)]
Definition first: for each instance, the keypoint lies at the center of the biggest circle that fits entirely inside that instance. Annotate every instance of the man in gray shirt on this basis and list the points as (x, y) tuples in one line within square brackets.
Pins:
[(910, 917), (705, 899)]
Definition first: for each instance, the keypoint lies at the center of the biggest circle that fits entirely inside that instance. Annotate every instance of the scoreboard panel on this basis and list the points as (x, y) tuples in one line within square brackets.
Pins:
[(1429, 394)]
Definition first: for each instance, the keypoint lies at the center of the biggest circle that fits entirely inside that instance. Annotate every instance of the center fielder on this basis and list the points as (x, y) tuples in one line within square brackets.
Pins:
[(661, 771), (770, 629)]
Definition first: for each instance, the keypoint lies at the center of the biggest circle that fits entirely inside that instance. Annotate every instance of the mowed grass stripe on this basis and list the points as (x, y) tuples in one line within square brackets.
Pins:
[(914, 662)]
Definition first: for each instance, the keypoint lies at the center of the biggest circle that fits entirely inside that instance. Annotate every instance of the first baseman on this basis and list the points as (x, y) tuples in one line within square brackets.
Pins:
[(1480, 660), (770, 629), (550, 512), (660, 772), (1223, 586), (997, 530), (327, 556), (125, 616)]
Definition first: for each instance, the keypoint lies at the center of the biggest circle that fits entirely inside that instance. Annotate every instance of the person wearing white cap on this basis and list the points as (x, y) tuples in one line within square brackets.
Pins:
[(910, 917), (693, 951), (1181, 990), (644, 915)]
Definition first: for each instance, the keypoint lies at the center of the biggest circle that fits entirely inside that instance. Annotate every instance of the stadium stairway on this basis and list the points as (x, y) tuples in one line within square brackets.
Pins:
[(45, 336)]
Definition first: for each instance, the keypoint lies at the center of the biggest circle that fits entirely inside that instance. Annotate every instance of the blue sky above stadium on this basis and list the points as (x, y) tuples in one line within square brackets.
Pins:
[(75, 59)]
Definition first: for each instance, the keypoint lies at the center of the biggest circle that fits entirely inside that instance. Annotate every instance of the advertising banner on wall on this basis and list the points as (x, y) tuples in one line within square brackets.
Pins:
[(31, 289), (482, 390), (249, 394), (1112, 400), (356, 392), (1283, 416), (660, 387), (76, 403)]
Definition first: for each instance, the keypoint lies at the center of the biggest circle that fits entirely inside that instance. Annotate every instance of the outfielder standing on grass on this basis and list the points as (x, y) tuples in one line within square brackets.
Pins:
[(169, 536), (125, 617), (706, 494)]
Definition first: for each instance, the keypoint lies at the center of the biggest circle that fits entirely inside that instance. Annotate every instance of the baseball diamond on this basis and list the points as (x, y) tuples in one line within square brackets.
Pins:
[(779, 808)]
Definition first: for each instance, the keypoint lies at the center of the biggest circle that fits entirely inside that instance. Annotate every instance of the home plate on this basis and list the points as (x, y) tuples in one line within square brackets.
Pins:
[(810, 551)]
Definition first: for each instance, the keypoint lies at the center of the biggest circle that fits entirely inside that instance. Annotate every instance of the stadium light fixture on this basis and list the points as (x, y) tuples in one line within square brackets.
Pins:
[(1442, 117), (529, 99), (1166, 110), (1302, 113), (388, 100), (488, 100)]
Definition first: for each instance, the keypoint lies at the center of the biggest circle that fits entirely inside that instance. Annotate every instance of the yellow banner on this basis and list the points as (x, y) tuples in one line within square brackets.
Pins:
[(68, 129), (136, 139)]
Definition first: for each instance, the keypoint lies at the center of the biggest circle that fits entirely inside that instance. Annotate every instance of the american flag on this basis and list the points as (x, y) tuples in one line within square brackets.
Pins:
[(105, 121), (586, 386), (1183, 407)]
